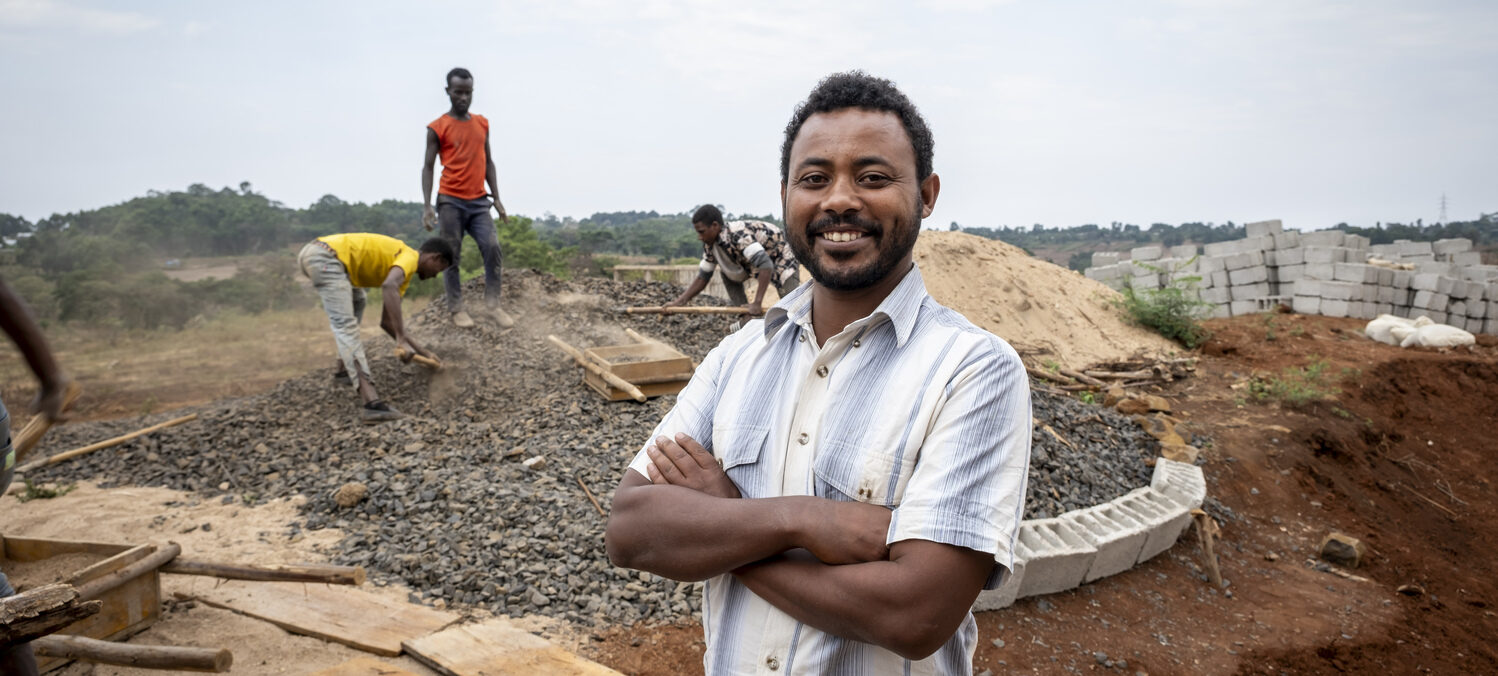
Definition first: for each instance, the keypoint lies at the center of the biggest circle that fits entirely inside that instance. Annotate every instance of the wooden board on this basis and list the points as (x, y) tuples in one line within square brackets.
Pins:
[(640, 360), (498, 647), (128, 609), (344, 615), (649, 390), (364, 666)]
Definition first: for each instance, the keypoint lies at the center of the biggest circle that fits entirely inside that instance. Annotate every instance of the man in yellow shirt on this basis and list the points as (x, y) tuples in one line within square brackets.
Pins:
[(341, 267)]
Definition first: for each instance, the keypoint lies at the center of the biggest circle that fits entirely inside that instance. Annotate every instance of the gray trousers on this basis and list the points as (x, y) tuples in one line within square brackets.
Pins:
[(738, 296), (341, 300), (457, 217)]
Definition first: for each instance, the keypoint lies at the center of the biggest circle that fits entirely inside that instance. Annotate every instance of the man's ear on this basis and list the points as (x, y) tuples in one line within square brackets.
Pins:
[(930, 188)]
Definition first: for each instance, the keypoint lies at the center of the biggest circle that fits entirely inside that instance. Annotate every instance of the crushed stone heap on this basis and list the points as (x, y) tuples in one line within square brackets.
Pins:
[(450, 510)]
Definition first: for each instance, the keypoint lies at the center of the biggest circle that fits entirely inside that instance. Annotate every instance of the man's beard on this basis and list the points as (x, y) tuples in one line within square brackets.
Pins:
[(891, 252)]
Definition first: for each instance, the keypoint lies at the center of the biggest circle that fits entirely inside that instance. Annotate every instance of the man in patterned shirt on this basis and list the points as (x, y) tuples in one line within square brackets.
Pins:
[(737, 249), (847, 473)]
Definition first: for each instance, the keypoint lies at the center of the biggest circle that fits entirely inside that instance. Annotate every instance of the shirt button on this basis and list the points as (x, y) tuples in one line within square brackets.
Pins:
[(800, 337), (772, 663), (804, 438), (822, 370), (856, 343)]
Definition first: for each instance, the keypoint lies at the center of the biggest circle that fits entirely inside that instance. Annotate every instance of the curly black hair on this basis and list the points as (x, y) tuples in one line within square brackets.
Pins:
[(461, 73), (707, 214), (857, 89), (441, 247)]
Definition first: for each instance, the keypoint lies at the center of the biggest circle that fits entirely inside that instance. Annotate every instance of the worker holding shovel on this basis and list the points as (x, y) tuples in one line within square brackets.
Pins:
[(341, 267), (736, 250), (16, 320)]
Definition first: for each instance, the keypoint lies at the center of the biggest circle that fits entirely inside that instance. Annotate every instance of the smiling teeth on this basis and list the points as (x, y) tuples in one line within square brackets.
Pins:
[(841, 236)]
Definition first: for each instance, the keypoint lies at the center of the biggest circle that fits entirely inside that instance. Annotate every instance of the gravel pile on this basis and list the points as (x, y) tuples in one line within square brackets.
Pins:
[(451, 511)]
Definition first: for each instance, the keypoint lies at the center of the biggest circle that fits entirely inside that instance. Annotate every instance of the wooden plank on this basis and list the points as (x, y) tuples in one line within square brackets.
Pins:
[(344, 615), (648, 389), (364, 666), (36, 549), (498, 647)]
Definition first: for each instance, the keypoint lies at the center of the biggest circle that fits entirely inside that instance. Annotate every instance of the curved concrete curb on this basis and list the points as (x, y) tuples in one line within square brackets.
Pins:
[(1083, 545)]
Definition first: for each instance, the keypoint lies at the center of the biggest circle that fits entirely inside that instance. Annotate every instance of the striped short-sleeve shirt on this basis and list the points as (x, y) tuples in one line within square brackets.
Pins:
[(912, 408)]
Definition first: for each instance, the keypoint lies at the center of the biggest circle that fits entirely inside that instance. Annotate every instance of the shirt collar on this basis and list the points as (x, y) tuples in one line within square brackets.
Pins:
[(901, 307)]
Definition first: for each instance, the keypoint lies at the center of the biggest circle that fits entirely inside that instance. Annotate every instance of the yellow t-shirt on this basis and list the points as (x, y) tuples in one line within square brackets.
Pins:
[(368, 257)]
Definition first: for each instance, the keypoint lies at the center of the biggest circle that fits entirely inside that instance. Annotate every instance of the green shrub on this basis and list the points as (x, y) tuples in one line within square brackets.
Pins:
[(1295, 386), (1174, 311)]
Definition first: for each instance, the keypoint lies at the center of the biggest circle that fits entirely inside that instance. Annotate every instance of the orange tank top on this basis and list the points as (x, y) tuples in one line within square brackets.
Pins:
[(461, 146)]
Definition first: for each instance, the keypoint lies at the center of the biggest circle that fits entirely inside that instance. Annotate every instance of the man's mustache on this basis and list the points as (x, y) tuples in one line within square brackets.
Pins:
[(843, 222)]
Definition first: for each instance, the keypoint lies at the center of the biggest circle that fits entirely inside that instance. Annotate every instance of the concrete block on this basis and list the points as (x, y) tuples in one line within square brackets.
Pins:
[(1057, 557), (1385, 251), (1290, 273), (1417, 258), (1220, 249), (1290, 256), (1478, 310), (1466, 258), (1335, 308), (1220, 279), (1458, 289), (1340, 290), (1323, 238), (1354, 272), (1426, 281), (1385, 277), (1248, 291), (1457, 308), (1320, 270), (1481, 274), (1105, 257), (1105, 273), (1445, 269), (1145, 253), (1474, 325), (1003, 597), (1323, 254), (1209, 263), (1248, 306), (1147, 282), (1451, 246), (1263, 228), (1286, 239), (1403, 279), (1383, 309), (1247, 259), (1180, 481), (1219, 312), (1182, 251), (1356, 242), (1386, 294), (1436, 316), (1260, 243), (1408, 248), (1117, 536), (1165, 518), (1490, 325), (1430, 300), (1306, 305), (1251, 275), (1217, 295)]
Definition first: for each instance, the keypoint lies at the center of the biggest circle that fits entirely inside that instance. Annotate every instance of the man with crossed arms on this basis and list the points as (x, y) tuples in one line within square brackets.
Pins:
[(849, 472)]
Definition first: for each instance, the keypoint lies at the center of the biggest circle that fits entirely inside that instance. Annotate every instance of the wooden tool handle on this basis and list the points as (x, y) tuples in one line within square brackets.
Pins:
[(31, 434), (420, 359), (685, 310), (134, 655), (303, 572), (616, 381), (104, 444)]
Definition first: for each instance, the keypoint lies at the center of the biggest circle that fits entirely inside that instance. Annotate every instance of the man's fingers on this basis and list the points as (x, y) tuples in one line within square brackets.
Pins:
[(699, 455), (678, 455), (662, 465)]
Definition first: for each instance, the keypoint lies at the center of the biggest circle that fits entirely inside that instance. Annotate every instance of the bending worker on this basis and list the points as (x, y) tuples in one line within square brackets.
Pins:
[(737, 249), (341, 267)]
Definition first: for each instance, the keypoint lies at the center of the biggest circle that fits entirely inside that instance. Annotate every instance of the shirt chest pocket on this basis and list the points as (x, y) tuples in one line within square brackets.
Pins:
[(850, 473), (738, 448)]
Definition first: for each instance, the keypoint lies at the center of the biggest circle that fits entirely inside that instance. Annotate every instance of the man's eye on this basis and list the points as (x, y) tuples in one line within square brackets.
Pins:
[(814, 179), (876, 179)]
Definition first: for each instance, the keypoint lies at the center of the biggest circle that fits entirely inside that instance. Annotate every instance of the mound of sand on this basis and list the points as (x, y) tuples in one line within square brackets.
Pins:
[(1045, 311)]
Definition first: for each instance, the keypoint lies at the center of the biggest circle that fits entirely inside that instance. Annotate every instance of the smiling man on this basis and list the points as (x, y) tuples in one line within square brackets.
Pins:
[(848, 473)]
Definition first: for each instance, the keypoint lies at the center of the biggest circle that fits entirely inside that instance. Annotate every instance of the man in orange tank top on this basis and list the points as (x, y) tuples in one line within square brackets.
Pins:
[(462, 140)]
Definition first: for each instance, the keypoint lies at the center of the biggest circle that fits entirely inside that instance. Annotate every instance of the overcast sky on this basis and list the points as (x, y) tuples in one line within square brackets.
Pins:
[(1061, 113)]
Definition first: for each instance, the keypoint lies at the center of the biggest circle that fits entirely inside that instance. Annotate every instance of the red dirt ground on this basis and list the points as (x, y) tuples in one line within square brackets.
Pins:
[(1402, 458)]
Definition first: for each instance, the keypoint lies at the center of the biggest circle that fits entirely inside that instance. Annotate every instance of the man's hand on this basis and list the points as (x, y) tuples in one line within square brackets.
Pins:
[(683, 462), (500, 209), (51, 398), (428, 217), (754, 309), (855, 532), (675, 302)]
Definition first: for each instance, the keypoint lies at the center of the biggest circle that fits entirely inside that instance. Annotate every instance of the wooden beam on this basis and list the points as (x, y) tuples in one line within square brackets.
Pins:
[(98, 587), (686, 310), (130, 655), (297, 572), (41, 462), (37, 612)]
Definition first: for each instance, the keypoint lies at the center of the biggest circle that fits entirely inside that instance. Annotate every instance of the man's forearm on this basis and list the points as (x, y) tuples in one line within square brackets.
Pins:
[(16, 321), (492, 176), (390, 303), (426, 185), (897, 604), (763, 282), (685, 535), (692, 290)]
